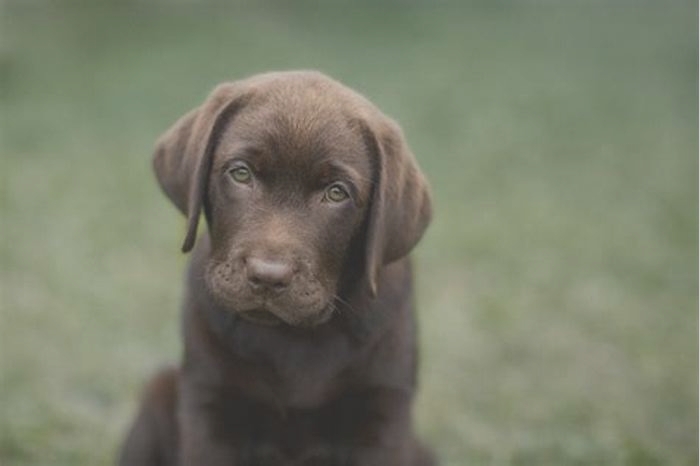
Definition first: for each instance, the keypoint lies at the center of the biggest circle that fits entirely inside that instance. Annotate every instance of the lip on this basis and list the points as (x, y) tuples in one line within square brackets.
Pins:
[(269, 319), (261, 317)]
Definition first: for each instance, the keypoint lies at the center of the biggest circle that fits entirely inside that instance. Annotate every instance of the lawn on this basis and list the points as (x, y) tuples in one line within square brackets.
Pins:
[(557, 285)]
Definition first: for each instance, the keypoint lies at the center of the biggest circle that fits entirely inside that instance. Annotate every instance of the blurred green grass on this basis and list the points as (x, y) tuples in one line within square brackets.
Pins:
[(558, 284)]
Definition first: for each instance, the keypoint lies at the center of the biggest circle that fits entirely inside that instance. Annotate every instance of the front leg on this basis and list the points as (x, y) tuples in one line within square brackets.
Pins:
[(202, 439), (221, 428), (371, 428), (199, 445)]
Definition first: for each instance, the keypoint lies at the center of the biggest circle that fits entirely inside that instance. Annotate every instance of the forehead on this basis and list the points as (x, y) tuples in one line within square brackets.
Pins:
[(296, 136)]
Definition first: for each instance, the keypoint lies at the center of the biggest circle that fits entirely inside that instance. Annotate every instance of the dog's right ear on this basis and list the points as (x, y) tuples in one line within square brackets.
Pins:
[(183, 154)]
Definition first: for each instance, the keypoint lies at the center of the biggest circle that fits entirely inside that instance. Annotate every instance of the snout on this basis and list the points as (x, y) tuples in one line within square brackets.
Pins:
[(271, 287), (268, 276)]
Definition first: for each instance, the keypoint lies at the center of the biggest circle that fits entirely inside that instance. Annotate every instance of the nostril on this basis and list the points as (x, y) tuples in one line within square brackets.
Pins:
[(268, 274)]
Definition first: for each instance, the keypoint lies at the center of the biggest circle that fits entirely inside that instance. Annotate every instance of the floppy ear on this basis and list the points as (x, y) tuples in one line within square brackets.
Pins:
[(400, 208), (183, 154)]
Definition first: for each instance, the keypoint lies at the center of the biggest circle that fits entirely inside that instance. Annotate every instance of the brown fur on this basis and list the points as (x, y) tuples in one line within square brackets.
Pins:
[(300, 345)]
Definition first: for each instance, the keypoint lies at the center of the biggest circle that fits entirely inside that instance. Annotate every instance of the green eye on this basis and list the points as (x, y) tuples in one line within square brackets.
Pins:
[(336, 193), (240, 174)]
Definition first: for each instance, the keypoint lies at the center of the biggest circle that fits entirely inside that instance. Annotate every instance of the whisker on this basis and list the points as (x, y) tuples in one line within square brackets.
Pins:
[(346, 305), (261, 209)]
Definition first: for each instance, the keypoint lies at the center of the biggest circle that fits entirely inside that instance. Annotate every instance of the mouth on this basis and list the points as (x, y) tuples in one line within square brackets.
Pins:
[(267, 318), (261, 317)]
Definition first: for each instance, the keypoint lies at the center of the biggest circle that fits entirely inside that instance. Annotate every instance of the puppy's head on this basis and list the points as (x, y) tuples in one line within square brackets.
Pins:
[(304, 184)]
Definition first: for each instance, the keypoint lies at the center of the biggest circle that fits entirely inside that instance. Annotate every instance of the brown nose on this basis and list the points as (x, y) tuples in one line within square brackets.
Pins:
[(268, 275)]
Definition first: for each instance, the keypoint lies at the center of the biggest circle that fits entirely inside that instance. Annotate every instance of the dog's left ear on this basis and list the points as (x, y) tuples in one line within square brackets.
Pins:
[(400, 208), (183, 155)]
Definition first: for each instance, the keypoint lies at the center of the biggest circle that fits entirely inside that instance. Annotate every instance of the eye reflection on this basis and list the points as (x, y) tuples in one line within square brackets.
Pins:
[(240, 174), (336, 193)]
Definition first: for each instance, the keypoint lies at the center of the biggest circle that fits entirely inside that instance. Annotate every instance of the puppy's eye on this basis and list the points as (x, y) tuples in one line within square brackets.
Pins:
[(336, 193), (240, 174)]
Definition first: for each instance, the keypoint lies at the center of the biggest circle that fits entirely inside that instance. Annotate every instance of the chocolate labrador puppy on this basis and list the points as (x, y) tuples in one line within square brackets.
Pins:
[(300, 341)]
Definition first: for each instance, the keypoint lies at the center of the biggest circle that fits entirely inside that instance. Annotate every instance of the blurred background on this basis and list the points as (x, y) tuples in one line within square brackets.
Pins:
[(557, 285)]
